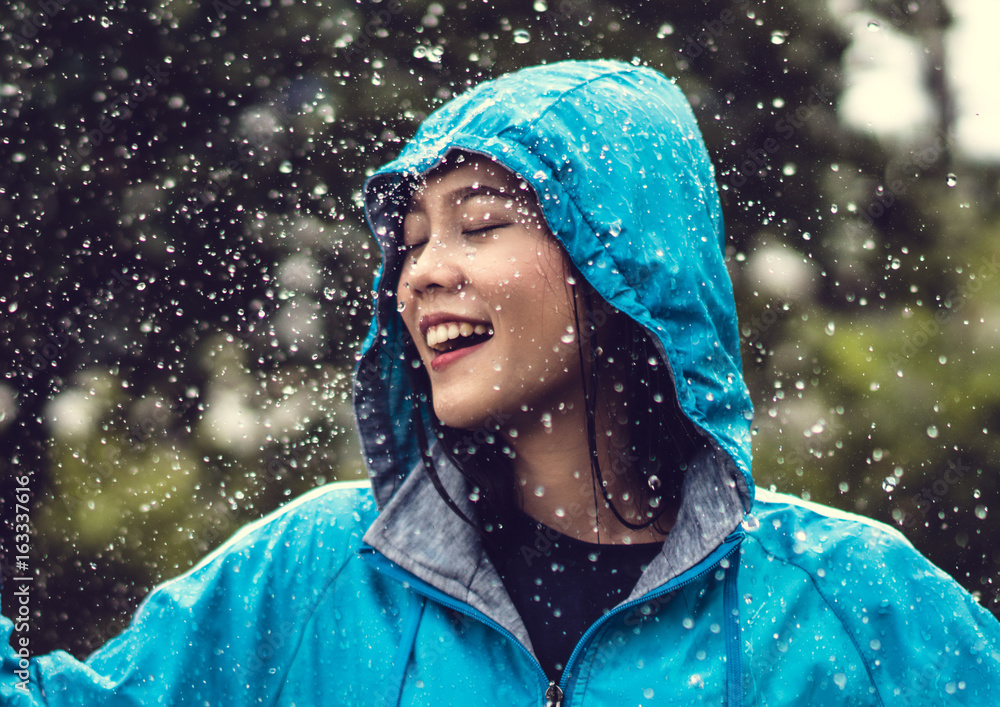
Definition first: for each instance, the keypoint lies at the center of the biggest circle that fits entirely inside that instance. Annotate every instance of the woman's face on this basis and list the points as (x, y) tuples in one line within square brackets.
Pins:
[(485, 295)]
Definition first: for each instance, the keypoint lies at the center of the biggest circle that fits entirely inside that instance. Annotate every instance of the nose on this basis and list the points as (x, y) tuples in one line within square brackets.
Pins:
[(433, 267)]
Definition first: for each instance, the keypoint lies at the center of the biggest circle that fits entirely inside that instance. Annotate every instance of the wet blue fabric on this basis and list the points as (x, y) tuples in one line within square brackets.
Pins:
[(289, 612), (374, 595)]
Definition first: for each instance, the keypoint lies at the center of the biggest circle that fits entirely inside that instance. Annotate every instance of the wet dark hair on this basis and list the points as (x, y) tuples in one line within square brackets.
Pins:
[(660, 437)]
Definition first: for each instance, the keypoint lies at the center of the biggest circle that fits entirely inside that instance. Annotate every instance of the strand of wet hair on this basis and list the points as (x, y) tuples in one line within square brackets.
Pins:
[(590, 403)]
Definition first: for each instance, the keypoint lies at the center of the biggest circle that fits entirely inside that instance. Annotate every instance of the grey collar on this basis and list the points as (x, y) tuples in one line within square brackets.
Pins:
[(418, 532)]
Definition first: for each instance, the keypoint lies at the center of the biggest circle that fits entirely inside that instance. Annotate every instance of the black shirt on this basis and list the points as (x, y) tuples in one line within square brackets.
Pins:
[(560, 585)]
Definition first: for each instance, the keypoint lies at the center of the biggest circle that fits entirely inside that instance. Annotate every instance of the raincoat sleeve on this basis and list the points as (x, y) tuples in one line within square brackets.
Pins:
[(223, 633), (926, 639), (909, 633)]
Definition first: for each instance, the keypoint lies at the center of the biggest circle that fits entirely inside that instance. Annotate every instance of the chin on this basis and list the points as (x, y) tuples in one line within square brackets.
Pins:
[(464, 416)]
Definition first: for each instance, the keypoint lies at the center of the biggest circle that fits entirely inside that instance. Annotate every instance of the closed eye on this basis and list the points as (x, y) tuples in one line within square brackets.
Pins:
[(405, 248), (484, 230)]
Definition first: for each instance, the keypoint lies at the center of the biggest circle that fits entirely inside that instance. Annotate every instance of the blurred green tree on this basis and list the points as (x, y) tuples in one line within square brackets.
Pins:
[(186, 265)]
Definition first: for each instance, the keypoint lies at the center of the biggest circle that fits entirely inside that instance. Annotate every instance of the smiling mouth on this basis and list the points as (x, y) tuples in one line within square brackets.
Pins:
[(452, 336)]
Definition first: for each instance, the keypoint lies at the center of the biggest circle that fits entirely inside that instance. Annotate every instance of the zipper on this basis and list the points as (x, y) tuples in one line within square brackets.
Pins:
[(554, 692), (554, 695), (730, 545)]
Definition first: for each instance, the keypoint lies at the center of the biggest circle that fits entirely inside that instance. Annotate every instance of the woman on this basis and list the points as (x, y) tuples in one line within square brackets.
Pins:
[(556, 428)]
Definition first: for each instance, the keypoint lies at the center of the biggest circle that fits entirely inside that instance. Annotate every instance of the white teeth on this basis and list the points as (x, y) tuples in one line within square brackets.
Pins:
[(445, 332)]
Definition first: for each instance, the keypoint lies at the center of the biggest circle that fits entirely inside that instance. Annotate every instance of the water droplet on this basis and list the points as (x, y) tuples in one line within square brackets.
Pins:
[(654, 482), (665, 31), (521, 36), (547, 420), (541, 6), (981, 512), (831, 327), (778, 37), (874, 26), (952, 180), (539, 491), (932, 431)]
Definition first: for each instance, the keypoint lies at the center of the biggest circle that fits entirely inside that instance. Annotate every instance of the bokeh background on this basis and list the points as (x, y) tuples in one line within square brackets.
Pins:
[(186, 268)]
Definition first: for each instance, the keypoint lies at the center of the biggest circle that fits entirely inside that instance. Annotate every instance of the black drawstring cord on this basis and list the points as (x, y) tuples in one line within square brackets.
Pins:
[(425, 454)]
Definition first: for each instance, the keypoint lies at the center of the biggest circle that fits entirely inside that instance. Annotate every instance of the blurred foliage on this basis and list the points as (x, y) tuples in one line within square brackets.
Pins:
[(186, 272)]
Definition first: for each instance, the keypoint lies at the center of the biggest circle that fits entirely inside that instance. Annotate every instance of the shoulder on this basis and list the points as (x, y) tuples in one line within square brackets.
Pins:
[(309, 538), (339, 508), (908, 620), (811, 534), (846, 556)]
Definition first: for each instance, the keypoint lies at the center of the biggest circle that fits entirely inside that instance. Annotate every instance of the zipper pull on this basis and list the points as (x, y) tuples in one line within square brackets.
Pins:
[(553, 696)]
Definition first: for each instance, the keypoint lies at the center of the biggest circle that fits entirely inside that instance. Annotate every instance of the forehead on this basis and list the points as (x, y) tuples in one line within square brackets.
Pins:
[(461, 177)]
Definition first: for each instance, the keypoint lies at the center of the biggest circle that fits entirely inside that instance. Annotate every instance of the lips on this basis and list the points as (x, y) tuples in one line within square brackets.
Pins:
[(446, 358)]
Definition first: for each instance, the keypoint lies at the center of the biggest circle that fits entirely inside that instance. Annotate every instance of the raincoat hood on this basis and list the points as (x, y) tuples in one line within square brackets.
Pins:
[(626, 185)]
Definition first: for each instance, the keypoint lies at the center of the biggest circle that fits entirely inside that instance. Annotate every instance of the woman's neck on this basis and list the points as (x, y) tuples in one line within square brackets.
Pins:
[(553, 470)]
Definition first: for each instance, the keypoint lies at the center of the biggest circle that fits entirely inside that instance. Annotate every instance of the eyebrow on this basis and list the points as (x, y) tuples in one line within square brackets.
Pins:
[(469, 192), (463, 194)]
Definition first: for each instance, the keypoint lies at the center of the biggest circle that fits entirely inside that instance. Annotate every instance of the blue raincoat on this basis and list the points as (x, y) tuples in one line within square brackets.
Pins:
[(381, 595)]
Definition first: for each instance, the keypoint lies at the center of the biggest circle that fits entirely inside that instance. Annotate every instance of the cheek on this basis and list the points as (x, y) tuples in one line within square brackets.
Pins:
[(404, 305)]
